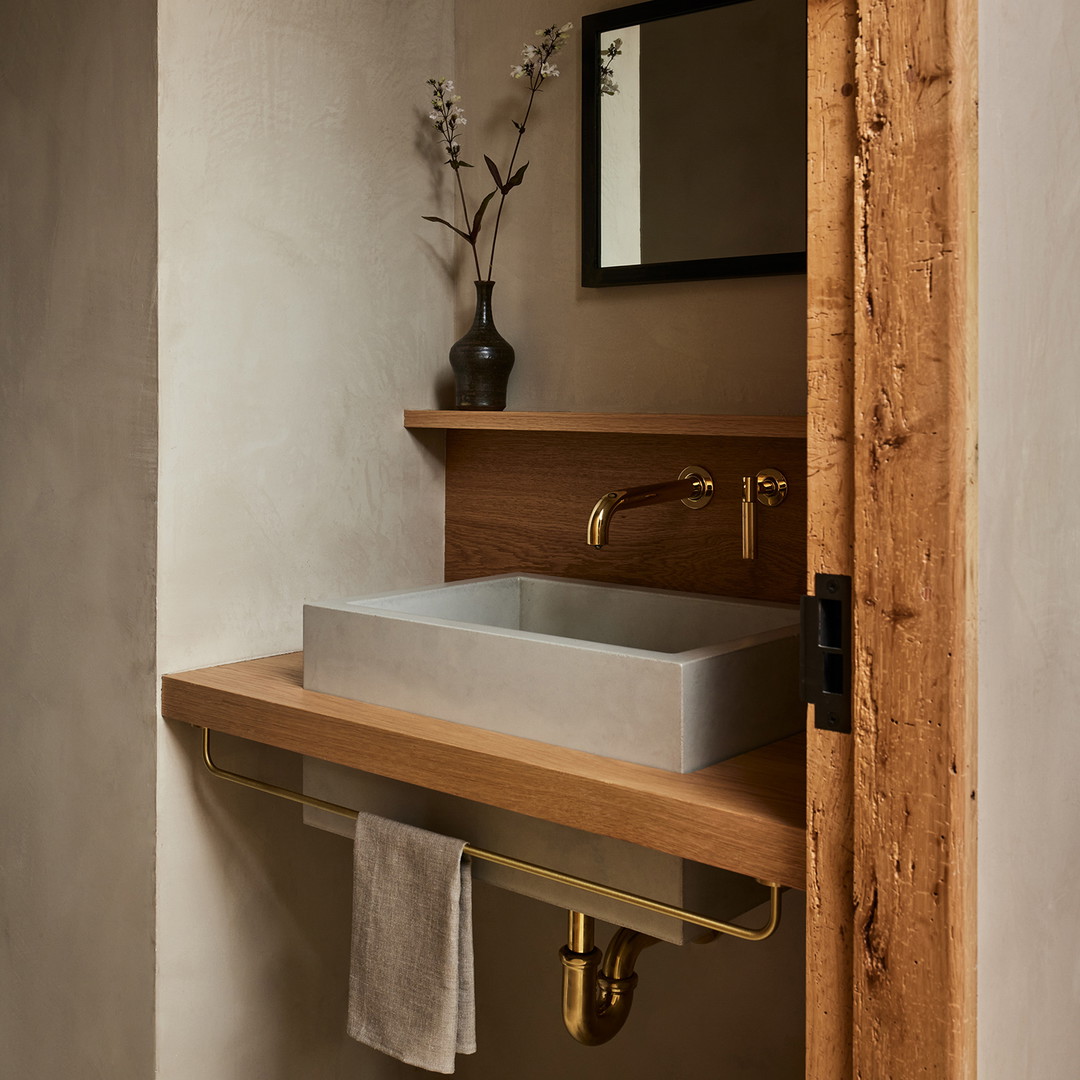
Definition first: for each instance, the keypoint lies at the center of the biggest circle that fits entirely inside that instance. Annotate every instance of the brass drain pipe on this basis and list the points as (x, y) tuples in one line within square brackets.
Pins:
[(598, 993)]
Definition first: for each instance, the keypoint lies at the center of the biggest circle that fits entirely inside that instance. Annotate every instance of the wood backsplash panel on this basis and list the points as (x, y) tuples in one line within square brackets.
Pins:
[(519, 502)]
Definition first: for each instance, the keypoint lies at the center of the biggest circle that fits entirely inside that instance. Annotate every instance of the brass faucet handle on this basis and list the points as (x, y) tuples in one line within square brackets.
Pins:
[(768, 487)]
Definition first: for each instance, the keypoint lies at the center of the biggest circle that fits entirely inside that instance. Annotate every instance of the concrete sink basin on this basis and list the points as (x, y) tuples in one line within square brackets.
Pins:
[(673, 680)]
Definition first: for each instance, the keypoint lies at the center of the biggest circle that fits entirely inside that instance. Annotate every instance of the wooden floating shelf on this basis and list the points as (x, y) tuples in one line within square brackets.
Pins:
[(776, 427), (745, 815)]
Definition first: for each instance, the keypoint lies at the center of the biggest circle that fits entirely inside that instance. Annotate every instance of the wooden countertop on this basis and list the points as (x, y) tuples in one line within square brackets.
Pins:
[(745, 815)]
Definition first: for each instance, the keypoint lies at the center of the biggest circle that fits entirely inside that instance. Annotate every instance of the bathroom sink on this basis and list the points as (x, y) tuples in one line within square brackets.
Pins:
[(673, 680)]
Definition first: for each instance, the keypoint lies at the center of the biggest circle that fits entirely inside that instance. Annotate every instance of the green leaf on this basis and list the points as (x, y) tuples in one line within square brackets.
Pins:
[(442, 221), (494, 170), (463, 164), (516, 178), (480, 215)]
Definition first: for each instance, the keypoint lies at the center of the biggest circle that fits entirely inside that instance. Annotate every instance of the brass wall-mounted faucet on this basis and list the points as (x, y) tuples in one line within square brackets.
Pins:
[(694, 488)]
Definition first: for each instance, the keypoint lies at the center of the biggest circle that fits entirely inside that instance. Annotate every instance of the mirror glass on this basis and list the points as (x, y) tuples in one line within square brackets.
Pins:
[(694, 141)]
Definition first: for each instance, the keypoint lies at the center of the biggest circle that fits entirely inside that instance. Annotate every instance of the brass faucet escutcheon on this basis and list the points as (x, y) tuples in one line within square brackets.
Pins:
[(694, 488)]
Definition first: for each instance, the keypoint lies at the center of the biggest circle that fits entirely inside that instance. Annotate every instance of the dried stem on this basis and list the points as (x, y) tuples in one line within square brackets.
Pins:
[(509, 173)]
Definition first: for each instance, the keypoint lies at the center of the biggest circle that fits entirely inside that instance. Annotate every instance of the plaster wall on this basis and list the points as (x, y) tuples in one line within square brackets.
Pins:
[(302, 309), (77, 463), (302, 305), (284, 475), (1029, 557)]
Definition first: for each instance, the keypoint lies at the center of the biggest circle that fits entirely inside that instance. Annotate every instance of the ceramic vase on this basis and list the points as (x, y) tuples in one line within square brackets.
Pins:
[(482, 359)]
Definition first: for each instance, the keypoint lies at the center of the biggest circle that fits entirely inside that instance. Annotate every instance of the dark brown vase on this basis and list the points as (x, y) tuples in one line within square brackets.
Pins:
[(482, 359)]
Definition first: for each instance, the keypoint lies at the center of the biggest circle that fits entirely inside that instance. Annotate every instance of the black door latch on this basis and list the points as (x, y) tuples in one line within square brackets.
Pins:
[(825, 673)]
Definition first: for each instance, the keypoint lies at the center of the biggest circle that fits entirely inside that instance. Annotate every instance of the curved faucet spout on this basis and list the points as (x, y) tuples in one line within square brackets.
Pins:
[(694, 488)]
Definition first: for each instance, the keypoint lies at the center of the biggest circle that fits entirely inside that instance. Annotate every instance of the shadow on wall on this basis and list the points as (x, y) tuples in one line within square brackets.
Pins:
[(730, 1008)]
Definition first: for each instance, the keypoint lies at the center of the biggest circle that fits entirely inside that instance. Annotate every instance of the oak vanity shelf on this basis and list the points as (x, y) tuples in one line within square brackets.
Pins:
[(746, 815), (769, 427)]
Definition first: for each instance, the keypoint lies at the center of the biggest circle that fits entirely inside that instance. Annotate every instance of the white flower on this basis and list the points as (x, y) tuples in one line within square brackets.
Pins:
[(517, 71), (549, 71)]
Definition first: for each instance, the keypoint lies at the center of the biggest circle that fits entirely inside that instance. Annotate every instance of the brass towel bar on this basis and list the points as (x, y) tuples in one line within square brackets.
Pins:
[(742, 932)]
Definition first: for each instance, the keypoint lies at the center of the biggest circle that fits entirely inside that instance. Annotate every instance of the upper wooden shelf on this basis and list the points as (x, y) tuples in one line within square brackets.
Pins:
[(776, 427), (745, 815)]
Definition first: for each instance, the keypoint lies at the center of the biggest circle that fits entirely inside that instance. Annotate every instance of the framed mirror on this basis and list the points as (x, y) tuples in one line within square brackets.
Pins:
[(693, 141)]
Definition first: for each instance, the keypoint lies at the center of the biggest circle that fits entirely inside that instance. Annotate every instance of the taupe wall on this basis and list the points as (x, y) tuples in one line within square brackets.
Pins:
[(1029, 541), (77, 460)]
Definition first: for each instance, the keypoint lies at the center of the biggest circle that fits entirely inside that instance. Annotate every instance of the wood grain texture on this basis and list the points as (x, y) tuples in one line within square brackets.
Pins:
[(745, 815), (772, 427), (833, 26), (520, 501), (914, 546)]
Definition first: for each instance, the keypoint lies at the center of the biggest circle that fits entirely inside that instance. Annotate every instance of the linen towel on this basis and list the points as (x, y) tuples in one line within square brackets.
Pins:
[(411, 968)]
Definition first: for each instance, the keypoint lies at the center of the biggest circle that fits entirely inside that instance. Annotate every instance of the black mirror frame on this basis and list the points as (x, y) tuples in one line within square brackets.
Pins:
[(593, 275)]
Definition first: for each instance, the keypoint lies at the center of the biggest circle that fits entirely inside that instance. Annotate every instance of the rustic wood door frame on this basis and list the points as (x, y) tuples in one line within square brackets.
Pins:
[(891, 462)]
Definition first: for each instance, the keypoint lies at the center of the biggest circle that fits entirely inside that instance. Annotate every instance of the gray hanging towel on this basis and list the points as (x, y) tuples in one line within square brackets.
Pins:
[(411, 970)]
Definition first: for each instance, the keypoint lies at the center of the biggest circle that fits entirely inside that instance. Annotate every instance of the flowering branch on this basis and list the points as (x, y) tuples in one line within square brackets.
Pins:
[(447, 115), (537, 66), (608, 85)]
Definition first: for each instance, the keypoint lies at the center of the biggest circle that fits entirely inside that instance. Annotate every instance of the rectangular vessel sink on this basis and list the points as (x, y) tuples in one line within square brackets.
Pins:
[(673, 680)]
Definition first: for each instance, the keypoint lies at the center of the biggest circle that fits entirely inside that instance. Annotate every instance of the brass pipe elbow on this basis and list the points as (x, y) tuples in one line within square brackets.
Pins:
[(598, 991)]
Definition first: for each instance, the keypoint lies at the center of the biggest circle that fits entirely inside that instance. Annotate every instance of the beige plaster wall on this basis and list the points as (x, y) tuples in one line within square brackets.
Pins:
[(281, 471), (301, 311), (735, 346), (1029, 524), (77, 458), (302, 305)]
